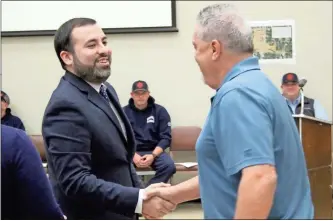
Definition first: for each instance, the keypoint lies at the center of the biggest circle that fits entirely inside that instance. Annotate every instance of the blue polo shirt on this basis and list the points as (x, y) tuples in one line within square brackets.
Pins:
[(249, 124)]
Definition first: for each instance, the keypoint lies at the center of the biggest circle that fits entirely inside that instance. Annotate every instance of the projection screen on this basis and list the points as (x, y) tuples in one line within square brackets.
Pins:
[(43, 18)]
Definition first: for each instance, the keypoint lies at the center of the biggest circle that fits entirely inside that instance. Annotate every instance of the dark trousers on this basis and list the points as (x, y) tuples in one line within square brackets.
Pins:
[(163, 165)]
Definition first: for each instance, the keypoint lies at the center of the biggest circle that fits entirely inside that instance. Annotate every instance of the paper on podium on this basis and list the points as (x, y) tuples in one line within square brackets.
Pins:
[(188, 164)]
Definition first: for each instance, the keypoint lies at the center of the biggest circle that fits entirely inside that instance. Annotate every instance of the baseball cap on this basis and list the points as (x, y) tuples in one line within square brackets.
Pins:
[(290, 78), (139, 86), (5, 97)]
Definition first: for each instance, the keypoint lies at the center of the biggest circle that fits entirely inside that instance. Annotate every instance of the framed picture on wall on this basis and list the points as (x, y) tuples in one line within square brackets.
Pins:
[(274, 41), (43, 18)]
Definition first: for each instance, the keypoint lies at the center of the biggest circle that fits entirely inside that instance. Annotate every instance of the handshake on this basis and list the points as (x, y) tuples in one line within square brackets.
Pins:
[(158, 201)]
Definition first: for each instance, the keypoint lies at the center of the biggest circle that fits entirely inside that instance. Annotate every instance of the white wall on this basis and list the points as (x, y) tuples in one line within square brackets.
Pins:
[(31, 70)]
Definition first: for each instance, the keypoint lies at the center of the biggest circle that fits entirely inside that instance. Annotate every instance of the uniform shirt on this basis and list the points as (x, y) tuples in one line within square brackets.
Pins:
[(249, 124)]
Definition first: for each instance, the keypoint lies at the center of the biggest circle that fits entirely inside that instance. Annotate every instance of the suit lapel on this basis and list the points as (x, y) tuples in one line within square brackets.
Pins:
[(95, 98), (99, 101), (129, 132)]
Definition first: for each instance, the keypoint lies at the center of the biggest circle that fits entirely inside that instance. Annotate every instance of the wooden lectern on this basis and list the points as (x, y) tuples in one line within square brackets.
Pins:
[(316, 139)]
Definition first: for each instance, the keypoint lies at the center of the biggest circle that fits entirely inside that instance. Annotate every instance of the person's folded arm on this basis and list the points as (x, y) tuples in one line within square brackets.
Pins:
[(69, 148), (244, 138), (36, 190)]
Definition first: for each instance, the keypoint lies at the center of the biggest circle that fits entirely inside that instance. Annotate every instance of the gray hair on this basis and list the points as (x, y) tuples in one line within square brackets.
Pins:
[(222, 22), (5, 97)]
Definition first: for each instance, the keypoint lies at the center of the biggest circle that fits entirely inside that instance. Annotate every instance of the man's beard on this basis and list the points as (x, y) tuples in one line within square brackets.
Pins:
[(92, 74)]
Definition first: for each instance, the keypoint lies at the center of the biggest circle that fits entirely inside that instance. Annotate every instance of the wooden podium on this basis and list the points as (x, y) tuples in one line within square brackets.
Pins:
[(316, 139)]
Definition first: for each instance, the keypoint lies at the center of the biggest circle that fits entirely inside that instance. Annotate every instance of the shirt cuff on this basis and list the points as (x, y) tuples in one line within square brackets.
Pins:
[(138, 208), (163, 144)]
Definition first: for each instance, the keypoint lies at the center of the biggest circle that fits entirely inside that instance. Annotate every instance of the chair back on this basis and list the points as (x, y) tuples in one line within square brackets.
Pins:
[(184, 138), (38, 141)]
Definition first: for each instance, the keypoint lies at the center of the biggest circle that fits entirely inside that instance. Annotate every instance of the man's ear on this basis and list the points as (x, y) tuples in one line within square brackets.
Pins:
[(66, 57), (217, 49)]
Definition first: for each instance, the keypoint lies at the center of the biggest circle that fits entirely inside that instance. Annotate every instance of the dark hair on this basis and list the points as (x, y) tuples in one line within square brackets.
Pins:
[(63, 36)]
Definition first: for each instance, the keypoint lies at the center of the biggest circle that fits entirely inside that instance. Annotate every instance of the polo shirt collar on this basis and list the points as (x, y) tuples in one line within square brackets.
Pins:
[(251, 63)]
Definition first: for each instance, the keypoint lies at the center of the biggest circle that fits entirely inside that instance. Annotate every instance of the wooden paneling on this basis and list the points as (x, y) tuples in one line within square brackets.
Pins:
[(320, 180), (317, 143)]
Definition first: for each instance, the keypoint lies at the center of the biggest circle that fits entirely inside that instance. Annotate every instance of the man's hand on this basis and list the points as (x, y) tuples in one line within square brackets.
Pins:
[(185, 191), (153, 189), (147, 160), (166, 192), (155, 207), (137, 160)]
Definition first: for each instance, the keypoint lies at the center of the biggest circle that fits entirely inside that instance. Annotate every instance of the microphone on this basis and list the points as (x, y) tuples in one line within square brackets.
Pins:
[(302, 82)]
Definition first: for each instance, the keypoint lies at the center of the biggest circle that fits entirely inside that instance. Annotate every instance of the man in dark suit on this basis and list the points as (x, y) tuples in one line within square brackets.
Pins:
[(89, 141)]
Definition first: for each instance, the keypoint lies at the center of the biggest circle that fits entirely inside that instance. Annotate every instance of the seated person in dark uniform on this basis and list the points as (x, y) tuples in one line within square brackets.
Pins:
[(152, 129), (291, 91), (6, 116)]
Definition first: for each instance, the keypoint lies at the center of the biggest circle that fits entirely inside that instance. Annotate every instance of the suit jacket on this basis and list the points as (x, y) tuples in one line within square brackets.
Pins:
[(89, 159)]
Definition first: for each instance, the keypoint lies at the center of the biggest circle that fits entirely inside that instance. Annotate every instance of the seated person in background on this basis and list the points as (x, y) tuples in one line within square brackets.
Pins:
[(291, 91), (6, 117), (25, 189), (152, 129)]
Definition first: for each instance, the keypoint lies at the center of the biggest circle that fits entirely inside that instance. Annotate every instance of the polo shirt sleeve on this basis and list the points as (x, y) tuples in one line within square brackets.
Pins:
[(242, 131)]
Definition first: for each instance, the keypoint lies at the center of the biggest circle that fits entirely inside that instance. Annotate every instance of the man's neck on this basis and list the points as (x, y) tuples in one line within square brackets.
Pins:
[(96, 86), (293, 99), (233, 60), (141, 107)]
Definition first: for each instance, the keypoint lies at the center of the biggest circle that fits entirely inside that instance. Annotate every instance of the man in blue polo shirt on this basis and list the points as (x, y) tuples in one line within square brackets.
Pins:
[(251, 162)]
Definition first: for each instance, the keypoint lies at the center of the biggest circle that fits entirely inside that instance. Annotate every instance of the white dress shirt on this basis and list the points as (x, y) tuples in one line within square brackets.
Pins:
[(141, 196)]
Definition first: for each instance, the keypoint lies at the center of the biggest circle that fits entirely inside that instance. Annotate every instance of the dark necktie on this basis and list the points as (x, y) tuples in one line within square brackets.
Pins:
[(102, 91), (104, 94)]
